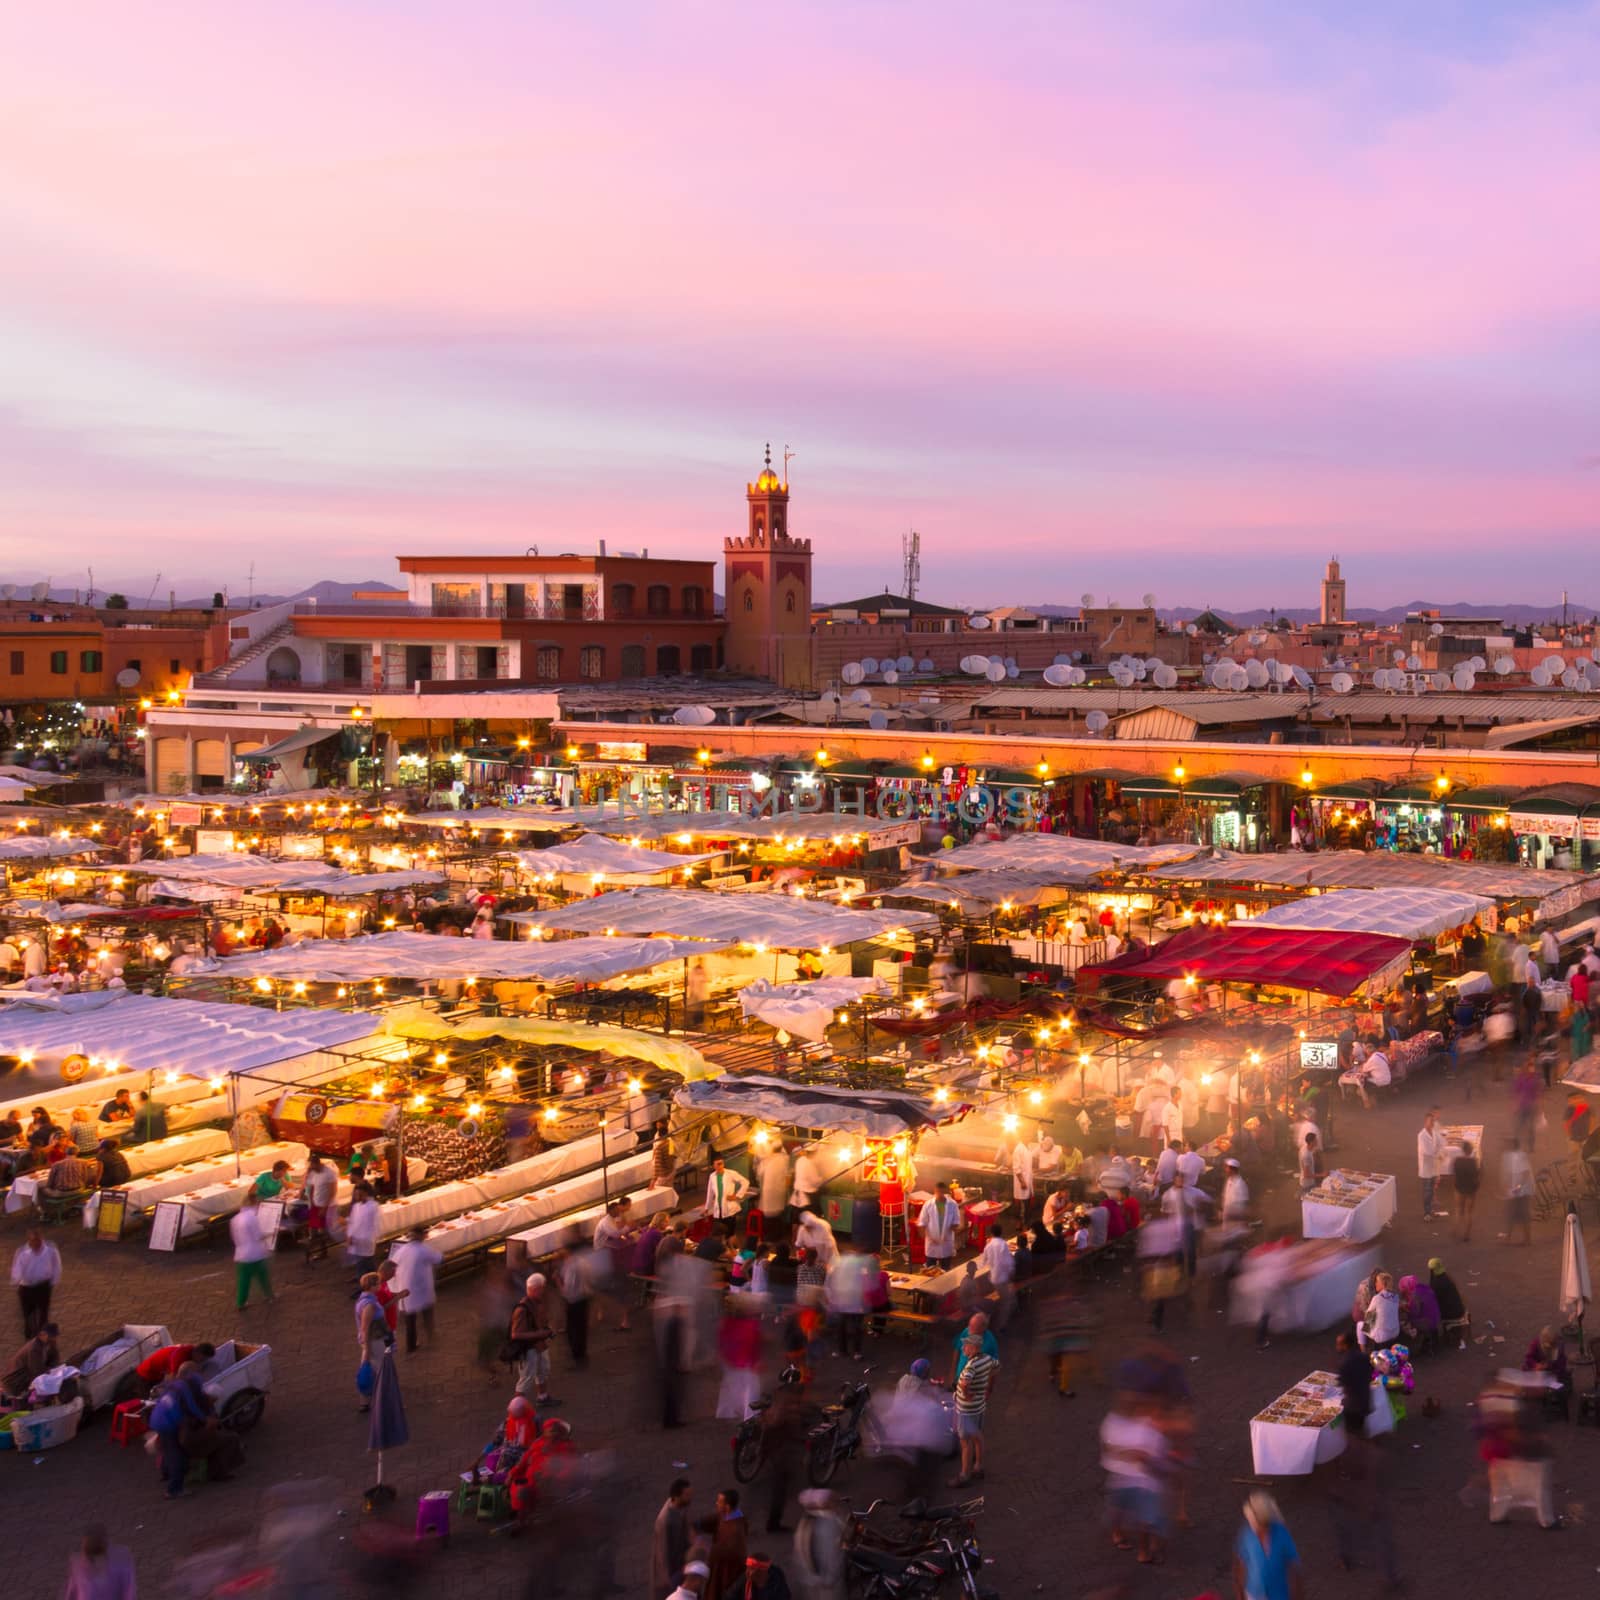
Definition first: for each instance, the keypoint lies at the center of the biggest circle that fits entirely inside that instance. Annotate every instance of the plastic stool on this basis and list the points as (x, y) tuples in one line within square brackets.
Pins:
[(494, 1503), (433, 1515), (466, 1495), (128, 1424)]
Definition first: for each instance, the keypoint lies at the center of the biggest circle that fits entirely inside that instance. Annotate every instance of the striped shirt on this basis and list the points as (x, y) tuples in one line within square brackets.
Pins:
[(972, 1387)]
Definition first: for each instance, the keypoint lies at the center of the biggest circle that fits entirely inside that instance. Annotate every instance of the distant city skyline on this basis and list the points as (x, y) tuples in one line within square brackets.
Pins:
[(1097, 300)]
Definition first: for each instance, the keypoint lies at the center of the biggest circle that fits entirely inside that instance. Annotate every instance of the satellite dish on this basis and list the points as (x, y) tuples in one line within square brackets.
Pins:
[(40, 591), (1541, 675), (1413, 663), (1437, 629), (1571, 678), (1057, 675), (1342, 683), (1150, 601), (694, 716), (1191, 630), (1238, 679), (1462, 676), (925, 665), (890, 675), (851, 672), (1300, 676), (903, 664), (829, 697), (1556, 665), (1166, 677), (1421, 683), (861, 697), (1399, 658), (1096, 721), (978, 622), (869, 664), (1255, 674), (878, 720), (1504, 665), (1061, 659), (127, 678), (977, 665), (1013, 671), (1087, 600), (1079, 675), (1439, 680), (996, 672)]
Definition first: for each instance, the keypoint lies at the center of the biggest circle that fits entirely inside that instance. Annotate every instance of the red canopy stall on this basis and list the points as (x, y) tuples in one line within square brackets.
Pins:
[(1318, 959)]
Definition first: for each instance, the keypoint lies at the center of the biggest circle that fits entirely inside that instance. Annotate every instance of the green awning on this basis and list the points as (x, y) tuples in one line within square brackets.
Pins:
[(907, 769), (1494, 797), (1420, 791), (303, 739), (1150, 787), (1013, 778), (1557, 800), (1353, 789)]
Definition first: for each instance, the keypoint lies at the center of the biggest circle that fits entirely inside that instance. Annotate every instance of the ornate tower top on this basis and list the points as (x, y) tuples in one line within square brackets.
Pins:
[(768, 483)]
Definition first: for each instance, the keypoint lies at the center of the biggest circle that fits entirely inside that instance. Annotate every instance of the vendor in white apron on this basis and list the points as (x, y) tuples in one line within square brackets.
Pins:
[(940, 1221)]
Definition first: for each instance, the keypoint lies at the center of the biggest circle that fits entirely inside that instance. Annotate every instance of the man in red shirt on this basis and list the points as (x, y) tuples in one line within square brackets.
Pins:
[(387, 1298), (163, 1364)]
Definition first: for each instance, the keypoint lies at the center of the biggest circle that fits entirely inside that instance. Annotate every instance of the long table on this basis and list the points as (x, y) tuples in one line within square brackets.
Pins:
[(1358, 1211), (1304, 1426), (160, 1154), (192, 1175), (577, 1227)]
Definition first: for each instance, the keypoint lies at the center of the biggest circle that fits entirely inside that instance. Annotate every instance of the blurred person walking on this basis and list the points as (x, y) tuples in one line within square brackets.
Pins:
[(415, 1261), (100, 1571), (249, 1250), (1266, 1564), (35, 1272)]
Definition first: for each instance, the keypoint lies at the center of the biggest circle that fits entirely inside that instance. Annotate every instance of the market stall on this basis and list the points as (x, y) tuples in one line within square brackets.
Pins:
[(1401, 913), (1349, 1205), (1304, 1427)]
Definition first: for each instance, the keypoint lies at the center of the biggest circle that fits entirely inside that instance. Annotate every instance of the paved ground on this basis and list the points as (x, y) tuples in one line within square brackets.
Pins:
[(1042, 1527)]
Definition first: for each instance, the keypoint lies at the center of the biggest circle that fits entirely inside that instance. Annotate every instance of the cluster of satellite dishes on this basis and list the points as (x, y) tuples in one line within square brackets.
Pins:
[(889, 669), (995, 668), (877, 718), (1226, 673), (39, 591), (1583, 674), (1127, 670)]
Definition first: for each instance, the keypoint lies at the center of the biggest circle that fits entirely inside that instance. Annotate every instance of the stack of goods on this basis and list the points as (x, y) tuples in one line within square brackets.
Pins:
[(452, 1153), (1314, 1402), (1406, 1056), (1342, 1187)]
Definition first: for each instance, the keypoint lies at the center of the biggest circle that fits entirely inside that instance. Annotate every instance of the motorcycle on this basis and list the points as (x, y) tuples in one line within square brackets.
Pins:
[(841, 1433), (942, 1545)]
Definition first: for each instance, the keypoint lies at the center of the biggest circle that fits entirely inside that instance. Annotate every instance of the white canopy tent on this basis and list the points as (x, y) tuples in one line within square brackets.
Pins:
[(1068, 859), (266, 874), (805, 1009), (123, 1036), (593, 855), (34, 847), (983, 892), (426, 956), (778, 921), (489, 818), (229, 799), (28, 778), (833, 827), (1405, 913)]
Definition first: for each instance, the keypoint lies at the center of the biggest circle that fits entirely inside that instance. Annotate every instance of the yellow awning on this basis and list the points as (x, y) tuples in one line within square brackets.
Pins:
[(672, 1054)]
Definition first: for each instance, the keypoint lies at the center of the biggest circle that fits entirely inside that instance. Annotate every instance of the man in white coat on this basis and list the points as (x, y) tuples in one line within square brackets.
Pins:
[(1022, 1177), (773, 1177), (807, 1180), (940, 1221), (415, 1262), (725, 1191)]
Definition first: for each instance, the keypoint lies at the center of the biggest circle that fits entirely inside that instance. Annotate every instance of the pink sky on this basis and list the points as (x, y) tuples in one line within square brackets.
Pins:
[(1095, 299)]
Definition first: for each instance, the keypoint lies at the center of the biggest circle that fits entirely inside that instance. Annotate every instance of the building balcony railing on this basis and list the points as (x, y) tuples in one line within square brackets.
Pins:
[(492, 609)]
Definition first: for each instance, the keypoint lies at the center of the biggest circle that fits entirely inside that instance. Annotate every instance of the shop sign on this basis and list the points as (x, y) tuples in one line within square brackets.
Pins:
[(185, 816), (1591, 827), (1554, 827), (302, 844), (213, 841), (620, 750), (1319, 1055)]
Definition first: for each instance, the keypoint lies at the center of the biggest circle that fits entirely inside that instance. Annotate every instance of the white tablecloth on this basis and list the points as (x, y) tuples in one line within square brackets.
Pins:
[(577, 1228), (1319, 1300), (1325, 1220), (159, 1154), (193, 1175), (1282, 1449), (1471, 983), (20, 1196)]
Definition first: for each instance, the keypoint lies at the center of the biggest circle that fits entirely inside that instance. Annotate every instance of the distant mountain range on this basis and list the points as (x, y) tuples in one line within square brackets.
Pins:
[(325, 593), (1256, 616)]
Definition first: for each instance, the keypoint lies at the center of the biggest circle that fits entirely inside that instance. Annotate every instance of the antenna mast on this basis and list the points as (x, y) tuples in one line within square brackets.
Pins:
[(911, 553)]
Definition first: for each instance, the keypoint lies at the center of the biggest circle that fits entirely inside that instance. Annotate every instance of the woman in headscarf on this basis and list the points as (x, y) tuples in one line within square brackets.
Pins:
[(522, 1424), (1419, 1311), (1547, 1354)]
